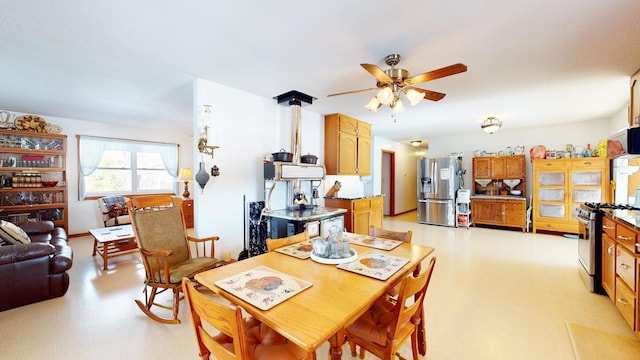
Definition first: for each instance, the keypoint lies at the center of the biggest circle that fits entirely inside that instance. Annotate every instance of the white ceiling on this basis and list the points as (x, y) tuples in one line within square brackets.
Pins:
[(529, 61)]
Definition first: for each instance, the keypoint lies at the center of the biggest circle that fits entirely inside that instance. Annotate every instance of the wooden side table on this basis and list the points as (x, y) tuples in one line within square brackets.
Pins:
[(113, 241), (187, 212)]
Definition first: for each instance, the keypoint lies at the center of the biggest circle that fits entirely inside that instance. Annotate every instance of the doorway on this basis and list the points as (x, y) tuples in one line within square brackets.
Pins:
[(388, 181)]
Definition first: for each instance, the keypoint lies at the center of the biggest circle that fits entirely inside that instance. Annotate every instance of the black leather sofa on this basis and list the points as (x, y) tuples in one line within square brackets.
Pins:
[(36, 271)]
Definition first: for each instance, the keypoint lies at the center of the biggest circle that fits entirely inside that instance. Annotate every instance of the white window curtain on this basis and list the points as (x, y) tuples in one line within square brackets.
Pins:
[(91, 150)]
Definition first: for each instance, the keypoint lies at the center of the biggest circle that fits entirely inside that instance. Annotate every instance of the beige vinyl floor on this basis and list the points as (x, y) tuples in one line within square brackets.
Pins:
[(495, 294)]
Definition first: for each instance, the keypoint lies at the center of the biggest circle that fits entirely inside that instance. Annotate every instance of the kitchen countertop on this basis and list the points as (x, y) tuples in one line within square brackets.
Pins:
[(499, 197), (317, 213), (351, 197), (629, 217)]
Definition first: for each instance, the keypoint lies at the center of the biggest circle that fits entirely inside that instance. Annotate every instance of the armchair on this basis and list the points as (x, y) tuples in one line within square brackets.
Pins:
[(114, 210)]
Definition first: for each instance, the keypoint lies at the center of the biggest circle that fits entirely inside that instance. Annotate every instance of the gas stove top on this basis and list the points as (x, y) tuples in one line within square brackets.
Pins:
[(598, 206)]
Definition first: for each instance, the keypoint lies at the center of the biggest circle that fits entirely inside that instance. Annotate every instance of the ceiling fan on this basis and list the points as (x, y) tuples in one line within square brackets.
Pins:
[(393, 81)]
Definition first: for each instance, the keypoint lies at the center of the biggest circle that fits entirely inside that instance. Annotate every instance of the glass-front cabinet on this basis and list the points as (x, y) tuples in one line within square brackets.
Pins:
[(561, 185), (33, 183)]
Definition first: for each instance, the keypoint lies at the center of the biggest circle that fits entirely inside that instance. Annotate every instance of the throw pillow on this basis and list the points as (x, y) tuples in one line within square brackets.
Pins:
[(119, 209), (13, 234)]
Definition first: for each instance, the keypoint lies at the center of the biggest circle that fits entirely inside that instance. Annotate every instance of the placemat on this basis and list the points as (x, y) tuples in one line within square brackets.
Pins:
[(374, 242), (375, 264), (300, 250), (263, 287)]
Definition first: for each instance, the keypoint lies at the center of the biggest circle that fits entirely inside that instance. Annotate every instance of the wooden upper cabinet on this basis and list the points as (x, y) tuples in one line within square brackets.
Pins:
[(482, 168), (515, 167), (347, 146), (498, 165)]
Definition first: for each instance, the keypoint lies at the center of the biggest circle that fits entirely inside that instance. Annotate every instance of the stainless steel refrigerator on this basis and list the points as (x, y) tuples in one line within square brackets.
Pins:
[(438, 182)]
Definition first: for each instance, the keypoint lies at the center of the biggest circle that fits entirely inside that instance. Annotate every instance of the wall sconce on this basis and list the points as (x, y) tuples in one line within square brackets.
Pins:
[(185, 176), (204, 134)]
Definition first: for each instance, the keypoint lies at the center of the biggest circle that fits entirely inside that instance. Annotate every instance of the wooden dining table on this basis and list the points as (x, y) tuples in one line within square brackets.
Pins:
[(319, 313)]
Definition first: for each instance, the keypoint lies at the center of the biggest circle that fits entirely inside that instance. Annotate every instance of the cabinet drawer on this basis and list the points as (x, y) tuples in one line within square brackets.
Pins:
[(377, 202), (626, 267), (625, 302), (626, 237), (514, 207), (359, 205), (609, 227), (549, 164), (588, 163)]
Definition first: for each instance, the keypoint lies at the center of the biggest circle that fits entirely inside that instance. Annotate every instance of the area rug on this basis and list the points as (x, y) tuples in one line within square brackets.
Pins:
[(593, 344)]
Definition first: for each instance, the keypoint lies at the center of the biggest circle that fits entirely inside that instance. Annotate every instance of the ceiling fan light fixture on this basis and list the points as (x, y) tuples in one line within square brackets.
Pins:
[(398, 107), (373, 104), (414, 96), (385, 96), (491, 125)]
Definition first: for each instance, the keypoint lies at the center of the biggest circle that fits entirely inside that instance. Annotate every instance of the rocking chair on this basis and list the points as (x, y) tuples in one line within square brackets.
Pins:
[(160, 231)]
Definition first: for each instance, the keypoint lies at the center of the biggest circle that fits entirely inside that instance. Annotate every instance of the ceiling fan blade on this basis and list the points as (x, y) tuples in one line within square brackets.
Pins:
[(377, 73), (352, 92), (436, 74), (430, 95)]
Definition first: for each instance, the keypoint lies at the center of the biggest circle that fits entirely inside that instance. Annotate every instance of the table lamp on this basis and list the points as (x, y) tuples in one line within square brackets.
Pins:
[(185, 176)]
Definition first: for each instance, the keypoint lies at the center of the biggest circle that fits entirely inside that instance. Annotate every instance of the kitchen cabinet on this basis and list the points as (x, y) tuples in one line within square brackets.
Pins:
[(361, 213), (29, 162), (492, 202), (347, 146), (560, 185), (609, 257), (496, 169), (499, 212), (621, 267)]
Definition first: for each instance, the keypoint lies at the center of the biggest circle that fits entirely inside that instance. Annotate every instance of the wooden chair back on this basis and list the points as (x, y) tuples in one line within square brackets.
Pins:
[(273, 244), (402, 318), (158, 224), (412, 290), (224, 318), (390, 234), (239, 337)]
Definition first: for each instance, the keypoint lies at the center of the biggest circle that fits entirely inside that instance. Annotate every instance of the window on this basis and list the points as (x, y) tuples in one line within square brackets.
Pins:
[(116, 166)]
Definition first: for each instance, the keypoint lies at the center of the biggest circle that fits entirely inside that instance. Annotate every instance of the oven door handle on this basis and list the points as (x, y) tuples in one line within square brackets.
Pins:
[(582, 220)]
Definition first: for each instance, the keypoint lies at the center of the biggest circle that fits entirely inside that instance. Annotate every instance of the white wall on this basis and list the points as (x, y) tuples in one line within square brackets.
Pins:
[(249, 128)]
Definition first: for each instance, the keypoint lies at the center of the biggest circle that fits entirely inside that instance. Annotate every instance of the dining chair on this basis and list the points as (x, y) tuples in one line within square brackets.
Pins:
[(392, 291), (273, 244), (239, 337), (387, 325), (404, 236), (159, 230)]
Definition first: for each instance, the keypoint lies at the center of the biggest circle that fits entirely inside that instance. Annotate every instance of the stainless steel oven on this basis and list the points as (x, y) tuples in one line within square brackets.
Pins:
[(590, 245)]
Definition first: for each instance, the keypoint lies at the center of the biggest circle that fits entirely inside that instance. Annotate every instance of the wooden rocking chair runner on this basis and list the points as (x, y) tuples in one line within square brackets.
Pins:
[(159, 229), (239, 338), (387, 325)]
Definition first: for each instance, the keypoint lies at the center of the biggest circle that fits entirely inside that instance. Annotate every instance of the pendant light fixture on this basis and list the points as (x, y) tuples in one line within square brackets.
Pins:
[(491, 125)]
